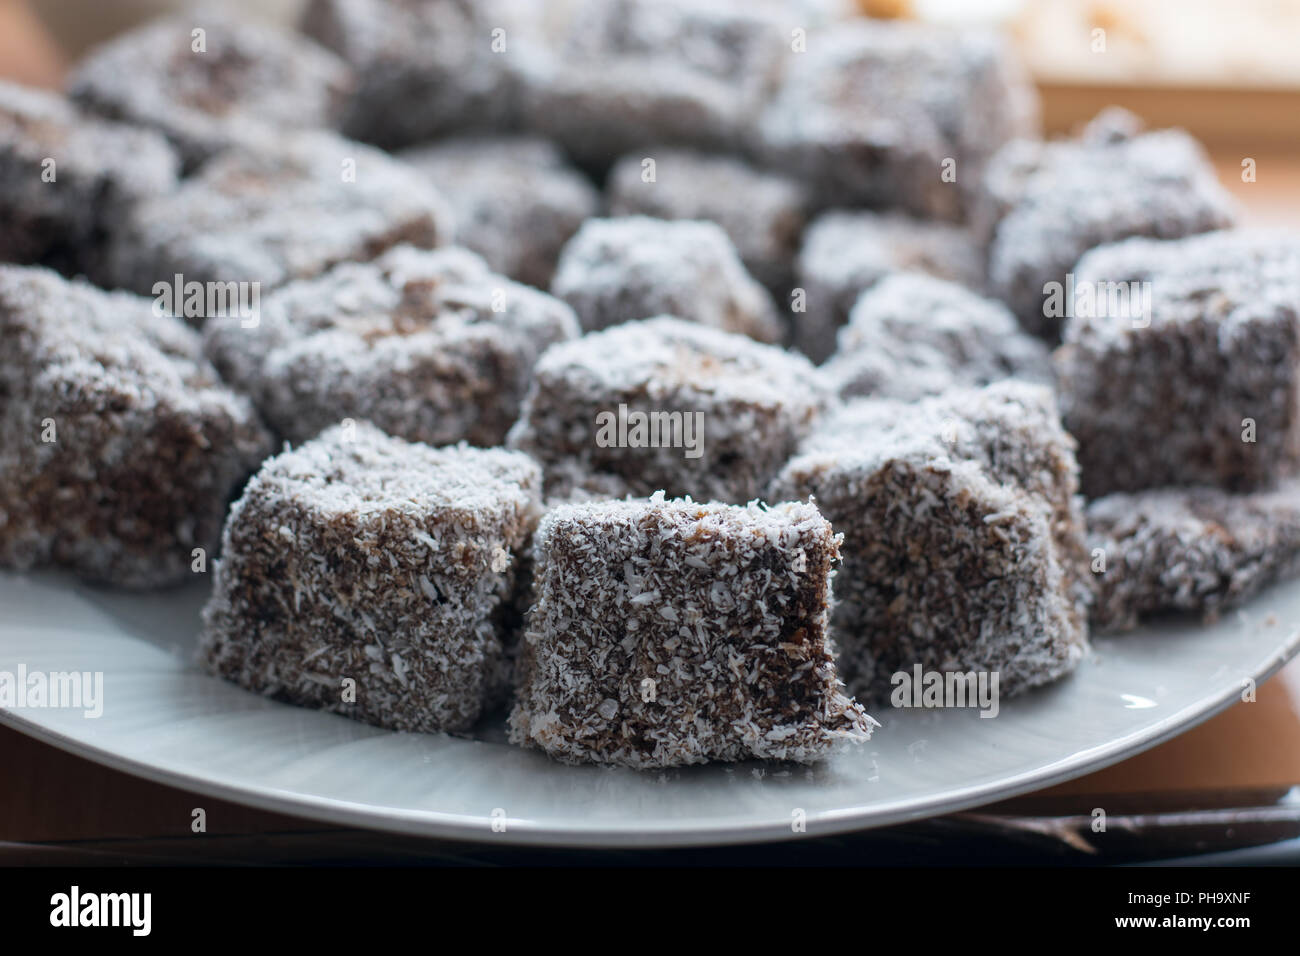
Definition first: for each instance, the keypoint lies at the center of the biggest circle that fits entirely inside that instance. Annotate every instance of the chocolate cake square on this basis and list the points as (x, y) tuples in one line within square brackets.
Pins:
[(428, 345), (1054, 201), (913, 335), (628, 74), (365, 575), (1195, 550), (666, 633), (515, 199), (427, 68), (896, 115), (963, 536), (67, 178), (1199, 382), (635, 267), (666, 405), (208, 81), (845, 252), (304, 202), (119, 445), (762, 213)]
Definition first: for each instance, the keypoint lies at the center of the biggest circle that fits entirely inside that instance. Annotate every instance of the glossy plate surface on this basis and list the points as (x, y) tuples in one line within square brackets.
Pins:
[(164, 720)]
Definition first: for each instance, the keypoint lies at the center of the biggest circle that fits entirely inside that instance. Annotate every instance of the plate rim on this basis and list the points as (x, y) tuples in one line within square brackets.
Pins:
[(436, 824)]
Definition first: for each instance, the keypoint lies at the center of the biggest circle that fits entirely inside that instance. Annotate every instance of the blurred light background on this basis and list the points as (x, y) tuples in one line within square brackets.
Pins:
[(1226, 70)]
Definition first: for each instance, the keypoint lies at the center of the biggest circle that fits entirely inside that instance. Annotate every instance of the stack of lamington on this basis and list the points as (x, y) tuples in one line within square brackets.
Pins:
[(598, 337)]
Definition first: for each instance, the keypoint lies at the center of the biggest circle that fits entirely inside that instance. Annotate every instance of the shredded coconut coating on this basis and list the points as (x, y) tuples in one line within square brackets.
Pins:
[(147, 447), (428, 67), (1112, 183), (963, 536), (722, 609), (869, 114), (100, 171), (1012, 168), (756, 402), (430, 346), (290, 210), (913, 335), (516, 200), (628, 74), (1198, 550), (636, 267), (248, 81), (846, 252), (364, 557), (1173, 403), (762, 213)]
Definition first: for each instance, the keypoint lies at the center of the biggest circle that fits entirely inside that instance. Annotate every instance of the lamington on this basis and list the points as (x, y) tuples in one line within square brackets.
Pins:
[(963, 536), (666, 405), (516, 200), (430, 346), (1195, 550), (302, 203), (762, 213), (896, 115), (208, 82), (913, 335), (428, 68), (1051, 202), (636, 267), (628, 74), (1198, 383), (845, 252), (667, 633), (66, 178), (119, 446), (367, 576)]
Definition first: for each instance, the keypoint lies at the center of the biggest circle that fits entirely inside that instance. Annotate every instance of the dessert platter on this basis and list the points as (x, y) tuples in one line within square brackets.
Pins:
[(165, 720), (625, 423)]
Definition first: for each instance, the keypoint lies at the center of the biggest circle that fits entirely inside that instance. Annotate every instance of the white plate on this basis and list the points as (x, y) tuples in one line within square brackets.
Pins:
[(164, 720)]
